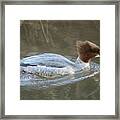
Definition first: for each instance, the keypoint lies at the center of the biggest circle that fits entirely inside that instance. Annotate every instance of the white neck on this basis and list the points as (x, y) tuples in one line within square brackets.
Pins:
[(82, 64)]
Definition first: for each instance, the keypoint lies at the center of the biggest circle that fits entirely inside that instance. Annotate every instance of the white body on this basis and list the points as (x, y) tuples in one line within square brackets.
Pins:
[(51, 65)]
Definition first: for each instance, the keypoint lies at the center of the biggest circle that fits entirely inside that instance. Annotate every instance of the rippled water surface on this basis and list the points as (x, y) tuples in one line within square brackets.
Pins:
[(59, 37)]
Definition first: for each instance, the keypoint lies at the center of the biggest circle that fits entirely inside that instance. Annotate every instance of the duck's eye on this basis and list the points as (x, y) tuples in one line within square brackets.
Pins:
[(95, 50)]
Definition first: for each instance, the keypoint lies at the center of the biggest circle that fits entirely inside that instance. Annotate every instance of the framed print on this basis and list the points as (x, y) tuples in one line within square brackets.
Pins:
[(60, 59)]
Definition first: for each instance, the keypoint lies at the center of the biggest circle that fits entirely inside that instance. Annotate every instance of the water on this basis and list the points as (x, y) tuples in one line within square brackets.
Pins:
[(59, 37)]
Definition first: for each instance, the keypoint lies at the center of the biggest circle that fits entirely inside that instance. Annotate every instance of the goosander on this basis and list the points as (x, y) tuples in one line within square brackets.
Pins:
[(50, 65)]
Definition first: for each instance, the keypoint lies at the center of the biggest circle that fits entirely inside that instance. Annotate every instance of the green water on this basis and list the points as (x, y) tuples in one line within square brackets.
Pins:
[(60, 37)]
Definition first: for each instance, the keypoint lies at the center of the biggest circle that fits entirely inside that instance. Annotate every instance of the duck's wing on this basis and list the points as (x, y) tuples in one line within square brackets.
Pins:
[(47, 59)]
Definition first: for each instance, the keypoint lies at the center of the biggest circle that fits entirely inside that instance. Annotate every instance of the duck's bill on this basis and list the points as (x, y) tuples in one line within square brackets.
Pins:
[(97, 56)]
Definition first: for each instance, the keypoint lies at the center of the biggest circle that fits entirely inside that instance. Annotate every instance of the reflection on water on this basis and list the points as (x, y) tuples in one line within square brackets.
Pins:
[(59, 37)]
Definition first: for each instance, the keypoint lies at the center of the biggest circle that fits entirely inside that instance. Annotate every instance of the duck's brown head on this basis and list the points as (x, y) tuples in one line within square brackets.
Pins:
[(87, 50)]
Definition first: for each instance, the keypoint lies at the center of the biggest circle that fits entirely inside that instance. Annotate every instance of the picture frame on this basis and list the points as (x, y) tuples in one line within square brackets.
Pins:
[(70, 2)]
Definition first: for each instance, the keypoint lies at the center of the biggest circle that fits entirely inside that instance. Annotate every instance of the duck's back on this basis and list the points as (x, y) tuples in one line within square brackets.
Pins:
[(47, 59)]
